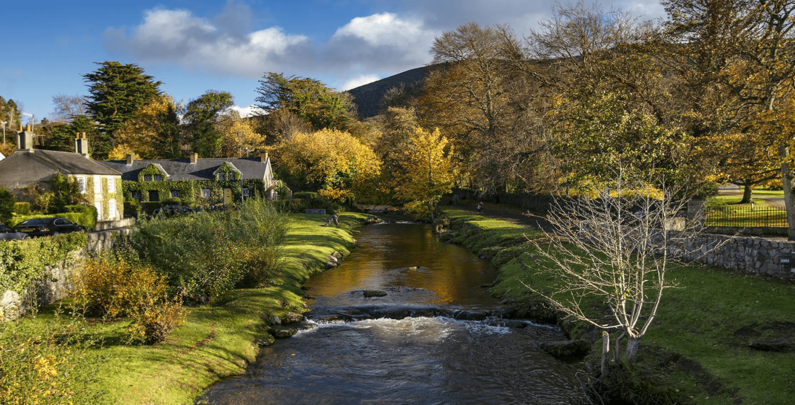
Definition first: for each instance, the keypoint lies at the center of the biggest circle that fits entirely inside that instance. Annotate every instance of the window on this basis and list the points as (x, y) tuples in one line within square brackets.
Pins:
[(97, 185), (158, 177), (147, 177), (111, 208), (245, 192), (58, 222), (221, 176), (206, 193), (174, 193), (230, 176), (81, 181), (98, 206), (111, 185), (136, 195), (154, 196)]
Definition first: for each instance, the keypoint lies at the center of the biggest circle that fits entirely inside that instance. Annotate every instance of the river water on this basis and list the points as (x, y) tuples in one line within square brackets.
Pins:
[(433, 339)]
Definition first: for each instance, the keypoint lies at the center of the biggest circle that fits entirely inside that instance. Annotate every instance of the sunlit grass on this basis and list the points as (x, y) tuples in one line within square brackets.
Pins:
[(701, 319), (218, 340)]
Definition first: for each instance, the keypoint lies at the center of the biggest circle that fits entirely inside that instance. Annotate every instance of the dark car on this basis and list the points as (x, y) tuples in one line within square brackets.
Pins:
[(7, 233), (48, 226)]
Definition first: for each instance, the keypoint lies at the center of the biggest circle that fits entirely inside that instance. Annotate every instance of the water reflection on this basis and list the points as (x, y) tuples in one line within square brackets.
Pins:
[(393, 255)]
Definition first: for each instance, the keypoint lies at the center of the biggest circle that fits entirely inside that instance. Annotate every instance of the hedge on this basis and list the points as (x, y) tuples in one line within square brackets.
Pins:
[(22, 208)]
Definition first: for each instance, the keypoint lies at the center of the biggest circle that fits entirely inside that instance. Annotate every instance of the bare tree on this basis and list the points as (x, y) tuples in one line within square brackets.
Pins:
[(616, 249), (66, 107)]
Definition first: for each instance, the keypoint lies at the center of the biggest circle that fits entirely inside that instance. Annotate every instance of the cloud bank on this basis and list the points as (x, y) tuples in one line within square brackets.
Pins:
[(362, 50)]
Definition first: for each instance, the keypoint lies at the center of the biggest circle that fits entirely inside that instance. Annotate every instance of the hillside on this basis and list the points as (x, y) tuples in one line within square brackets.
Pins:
[(368, 97)]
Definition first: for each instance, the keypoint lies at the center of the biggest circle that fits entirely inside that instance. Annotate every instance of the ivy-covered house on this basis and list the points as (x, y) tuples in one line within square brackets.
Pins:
[(196, 181), (28, 167)]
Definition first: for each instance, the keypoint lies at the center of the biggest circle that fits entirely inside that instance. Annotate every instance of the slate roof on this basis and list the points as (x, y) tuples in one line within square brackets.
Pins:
[(24, 168), (182, 169)]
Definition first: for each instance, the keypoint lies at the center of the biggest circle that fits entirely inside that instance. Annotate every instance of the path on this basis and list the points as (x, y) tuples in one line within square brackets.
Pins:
[(504, 212)]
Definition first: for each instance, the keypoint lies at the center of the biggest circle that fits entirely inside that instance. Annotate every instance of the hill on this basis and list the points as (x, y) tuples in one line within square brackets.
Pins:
[(368, 97)]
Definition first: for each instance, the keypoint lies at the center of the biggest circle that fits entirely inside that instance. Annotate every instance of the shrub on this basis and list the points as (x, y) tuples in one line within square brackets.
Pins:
[(132, 209), (65, 191), (114, 287), (22, 208), (88, 214), (7, 206), (155, 324), (208, 254)]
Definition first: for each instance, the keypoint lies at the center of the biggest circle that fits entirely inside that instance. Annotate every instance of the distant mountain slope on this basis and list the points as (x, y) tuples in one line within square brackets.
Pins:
[(368, 97)]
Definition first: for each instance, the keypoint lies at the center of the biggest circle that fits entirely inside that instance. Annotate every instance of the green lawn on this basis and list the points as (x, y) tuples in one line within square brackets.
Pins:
[(218, 340), (698, 344)]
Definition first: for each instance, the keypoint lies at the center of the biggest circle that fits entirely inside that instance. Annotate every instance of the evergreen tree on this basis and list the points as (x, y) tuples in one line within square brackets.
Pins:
[(117, 91)]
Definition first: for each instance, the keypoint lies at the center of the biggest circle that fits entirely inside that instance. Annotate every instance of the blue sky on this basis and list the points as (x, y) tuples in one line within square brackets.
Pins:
[(195, 46)]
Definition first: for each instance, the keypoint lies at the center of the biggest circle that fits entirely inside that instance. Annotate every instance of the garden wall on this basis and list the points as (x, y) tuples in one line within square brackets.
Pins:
[(54, 283), (763, 256)]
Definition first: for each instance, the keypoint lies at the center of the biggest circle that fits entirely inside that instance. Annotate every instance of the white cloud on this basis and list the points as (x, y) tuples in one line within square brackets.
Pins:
[(176, 36), (358, 81)]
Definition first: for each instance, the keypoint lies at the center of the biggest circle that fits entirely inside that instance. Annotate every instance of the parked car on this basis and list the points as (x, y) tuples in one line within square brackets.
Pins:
[(48, 226), (7, 233)]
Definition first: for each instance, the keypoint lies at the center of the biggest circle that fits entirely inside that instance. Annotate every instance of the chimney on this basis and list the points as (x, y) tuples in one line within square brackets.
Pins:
[(81, 144), (264, 157), (130, 159), (25, 138), (194, 157)]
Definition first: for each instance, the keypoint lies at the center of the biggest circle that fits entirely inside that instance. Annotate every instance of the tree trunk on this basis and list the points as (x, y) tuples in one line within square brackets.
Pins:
[(632, 347), (746, 194), (605, 351), (786, 181)]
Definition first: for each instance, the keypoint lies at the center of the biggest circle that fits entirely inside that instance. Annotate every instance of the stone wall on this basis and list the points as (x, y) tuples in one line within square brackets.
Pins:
[(763, 256), (56, 283)]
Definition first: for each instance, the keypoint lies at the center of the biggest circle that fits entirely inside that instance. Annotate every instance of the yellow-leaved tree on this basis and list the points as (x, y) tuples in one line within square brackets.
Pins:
[(330, 161), (240, 137), (153, 132), (427, 172)]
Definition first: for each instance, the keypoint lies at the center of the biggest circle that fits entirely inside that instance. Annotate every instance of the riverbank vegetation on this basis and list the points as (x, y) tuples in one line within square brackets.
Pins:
[(91, 351), (698, 352)]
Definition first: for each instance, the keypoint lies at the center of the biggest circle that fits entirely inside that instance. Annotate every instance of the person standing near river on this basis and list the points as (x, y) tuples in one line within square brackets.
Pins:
[(480, 207)]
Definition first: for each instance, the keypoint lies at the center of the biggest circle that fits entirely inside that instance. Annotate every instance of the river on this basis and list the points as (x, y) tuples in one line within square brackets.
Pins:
[(432, 339)]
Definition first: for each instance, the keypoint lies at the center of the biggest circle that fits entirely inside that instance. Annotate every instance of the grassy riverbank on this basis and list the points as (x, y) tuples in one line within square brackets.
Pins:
[(217, 340), (697, 348)]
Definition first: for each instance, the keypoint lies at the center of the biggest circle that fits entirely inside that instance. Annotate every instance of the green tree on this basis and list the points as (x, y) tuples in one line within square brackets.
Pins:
[(63, 136), (116, 92), (202, 117), (65, 191), (7, 201), (308, 99)]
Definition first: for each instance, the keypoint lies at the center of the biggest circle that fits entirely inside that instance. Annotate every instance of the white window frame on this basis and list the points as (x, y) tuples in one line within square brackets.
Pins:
[(97, 185), (111, 185), (245, 191), (208, 194)]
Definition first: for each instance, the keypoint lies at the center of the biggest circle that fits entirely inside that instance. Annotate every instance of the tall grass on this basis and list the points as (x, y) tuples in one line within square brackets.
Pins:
[(204, 255)]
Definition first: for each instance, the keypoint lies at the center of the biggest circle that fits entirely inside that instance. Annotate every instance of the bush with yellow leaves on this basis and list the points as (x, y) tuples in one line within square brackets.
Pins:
[(113, 287)]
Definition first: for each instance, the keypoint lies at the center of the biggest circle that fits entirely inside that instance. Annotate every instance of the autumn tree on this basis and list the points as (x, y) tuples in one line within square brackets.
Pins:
[(153, 131), (202, 116), (330, 161), (240, 139), (741, 55), (426, 171), (484, 94)]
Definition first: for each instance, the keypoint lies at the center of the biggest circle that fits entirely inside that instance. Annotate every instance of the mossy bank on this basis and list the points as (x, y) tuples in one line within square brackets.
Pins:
[(217, 340), (700, 347)]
